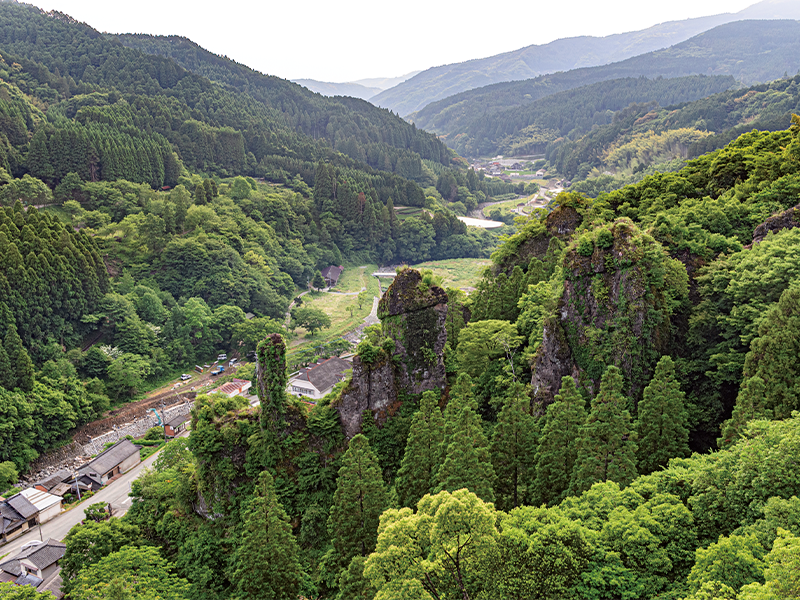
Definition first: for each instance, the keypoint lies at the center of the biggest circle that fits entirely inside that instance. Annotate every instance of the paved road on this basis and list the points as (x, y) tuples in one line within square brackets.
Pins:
[(115, 493)]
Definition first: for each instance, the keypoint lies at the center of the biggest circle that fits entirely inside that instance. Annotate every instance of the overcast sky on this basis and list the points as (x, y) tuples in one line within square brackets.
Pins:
[(346, 40)]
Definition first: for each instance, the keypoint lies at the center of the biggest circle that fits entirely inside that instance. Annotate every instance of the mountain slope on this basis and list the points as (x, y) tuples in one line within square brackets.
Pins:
[(560, 55), (750, 51)]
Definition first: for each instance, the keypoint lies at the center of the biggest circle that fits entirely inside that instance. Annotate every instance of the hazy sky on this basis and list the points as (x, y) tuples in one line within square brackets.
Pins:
[(347, 40)]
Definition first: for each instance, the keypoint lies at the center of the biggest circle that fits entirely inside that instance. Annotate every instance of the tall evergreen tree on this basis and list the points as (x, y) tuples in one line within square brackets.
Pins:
[(748, 407), (466, 463), (358, 502), (606, 443), (265, 562), (557, 451), (6, 376), (513, 449), (661, 423), (21, 364), (423, 454)]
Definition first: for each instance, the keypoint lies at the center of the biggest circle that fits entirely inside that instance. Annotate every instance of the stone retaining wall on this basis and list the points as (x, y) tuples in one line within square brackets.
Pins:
[(136, 429)]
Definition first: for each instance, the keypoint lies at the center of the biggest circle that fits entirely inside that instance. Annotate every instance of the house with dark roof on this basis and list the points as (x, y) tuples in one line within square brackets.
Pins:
[(37, 565), (117, 459), (17, 515), (317, 380), (331, 275), (176, 425), (54, 480)]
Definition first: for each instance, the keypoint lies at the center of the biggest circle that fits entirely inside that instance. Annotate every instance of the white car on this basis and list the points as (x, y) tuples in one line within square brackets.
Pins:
[(184, 377)]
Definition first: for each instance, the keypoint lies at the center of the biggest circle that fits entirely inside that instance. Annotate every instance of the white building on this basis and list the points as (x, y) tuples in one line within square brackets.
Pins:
[(317, 380), (48, 505)]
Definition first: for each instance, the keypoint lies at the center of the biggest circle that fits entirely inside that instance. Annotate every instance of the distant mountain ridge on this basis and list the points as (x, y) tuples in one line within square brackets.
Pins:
[(362, 88), (561, 55), (750, 51), (325, 88)]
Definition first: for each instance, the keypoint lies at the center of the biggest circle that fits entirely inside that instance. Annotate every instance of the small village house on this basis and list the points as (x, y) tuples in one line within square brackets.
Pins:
[(331, 275), (317, 380), (36, 565), (176, 425), (117, 459)]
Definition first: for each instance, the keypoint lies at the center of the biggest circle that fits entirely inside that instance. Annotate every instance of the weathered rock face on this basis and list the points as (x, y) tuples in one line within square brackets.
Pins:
[(372, 387), (413, 315), (620, 290), (534, 240), (788, 219)]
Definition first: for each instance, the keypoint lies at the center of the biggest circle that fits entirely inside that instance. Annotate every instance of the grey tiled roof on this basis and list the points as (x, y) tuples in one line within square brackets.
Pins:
[(41, 555), (110, 458), (52, 584), (23, 506), (177, 420), (53, 480), (326, 374)]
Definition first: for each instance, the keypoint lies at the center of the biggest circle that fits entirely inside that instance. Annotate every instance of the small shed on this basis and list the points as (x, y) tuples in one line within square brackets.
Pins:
[(176, 425), (331, 275)]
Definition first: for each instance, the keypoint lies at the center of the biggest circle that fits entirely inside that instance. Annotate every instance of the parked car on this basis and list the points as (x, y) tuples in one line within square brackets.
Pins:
[(222, 357), (184, 377)]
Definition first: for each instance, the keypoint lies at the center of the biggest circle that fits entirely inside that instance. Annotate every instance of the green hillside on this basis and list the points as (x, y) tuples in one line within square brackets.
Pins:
[(749, 51)]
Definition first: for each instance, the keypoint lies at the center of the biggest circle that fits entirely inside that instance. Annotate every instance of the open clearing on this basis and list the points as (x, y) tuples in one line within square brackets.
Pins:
[(457, 272)]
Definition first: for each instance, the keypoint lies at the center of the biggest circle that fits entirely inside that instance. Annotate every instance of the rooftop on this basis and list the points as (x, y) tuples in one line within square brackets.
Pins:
[(110, 458), (178, 419), (325, 374), (39, 554), (41, 500)]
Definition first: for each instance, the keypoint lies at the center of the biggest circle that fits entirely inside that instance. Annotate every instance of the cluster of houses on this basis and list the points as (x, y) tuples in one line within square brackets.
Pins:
[(37, 563), (43, 500)]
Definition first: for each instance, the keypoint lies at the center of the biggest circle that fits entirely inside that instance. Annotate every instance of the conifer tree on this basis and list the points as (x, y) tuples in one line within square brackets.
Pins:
[(512, 451), (423, 454), (266, 563), (748, 407), (661, 424), (465, 448), (358, 502), (6, 376), (557, 451), (606, 443), (21, 365)]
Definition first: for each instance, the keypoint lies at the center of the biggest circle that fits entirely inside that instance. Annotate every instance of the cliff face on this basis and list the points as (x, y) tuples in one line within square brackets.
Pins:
[(535, 240), (788, 219), (620, 290), (413, 316)]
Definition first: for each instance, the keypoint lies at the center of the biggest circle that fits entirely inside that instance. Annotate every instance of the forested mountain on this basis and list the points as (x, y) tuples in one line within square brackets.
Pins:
[(611, 414), (750, 51), (649, 322), (213, 127), (642, 138), (566, 54), (530, 128)]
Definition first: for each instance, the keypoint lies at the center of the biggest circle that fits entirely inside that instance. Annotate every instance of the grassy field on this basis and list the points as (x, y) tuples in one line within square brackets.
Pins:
[(355, 278), (457, 272), (335, 306)]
